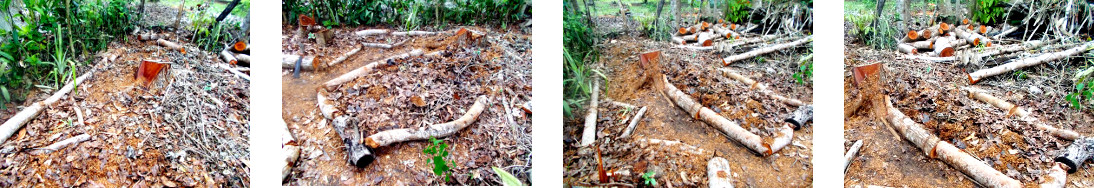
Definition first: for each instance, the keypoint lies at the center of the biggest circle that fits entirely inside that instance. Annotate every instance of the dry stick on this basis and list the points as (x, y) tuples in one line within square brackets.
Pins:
[(689, 149), (170, 45), (726, 61), (368, 68), (588, 135), (1021, 113), (228, 57), (620, 104), (343, 57), (307, 64), (63, 143), (1027, 62), (1004, 33), (370, 32), (236, 72), (412, 33), (731, 129), (385, 46), (389, 137), (850, 155), (762, 88), (289, 148), (15, 122), (634, 122), (718, 173), (933, 147)]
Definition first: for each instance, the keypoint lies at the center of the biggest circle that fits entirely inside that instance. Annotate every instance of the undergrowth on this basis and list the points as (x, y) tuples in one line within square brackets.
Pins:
[(437, 151), (407, 14), (579, 43)]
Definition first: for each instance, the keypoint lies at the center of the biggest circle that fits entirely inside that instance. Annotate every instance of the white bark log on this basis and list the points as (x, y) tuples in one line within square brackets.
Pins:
[(850, 155), (344, 56), (307, 64), (728, 60), (228, 57), (384, 46), (368, 68), (1056, 177), (731, 129), (243, 58), (326, 107), (412, 33), (149, 36), (19, 119), (943, 48), (1027, 62), (718, 173), (907, 49), (760, 87), (389, 137), (1022, 114), (588, 135), (673, 144), (372, 32), (63, 143), (634, 123), (290, 150)]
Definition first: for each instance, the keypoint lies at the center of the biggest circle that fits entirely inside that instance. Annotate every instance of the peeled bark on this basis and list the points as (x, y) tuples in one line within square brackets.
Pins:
[(718, 173), (588, 135), (16, 122), (760, 87), (389, 137), (728, 60), (1021, 113), (731, 129), (634, 122), (307, 64), (1027, 62), (368, 68), (850, 155), (61, 144), (289, 149), (933, 147)]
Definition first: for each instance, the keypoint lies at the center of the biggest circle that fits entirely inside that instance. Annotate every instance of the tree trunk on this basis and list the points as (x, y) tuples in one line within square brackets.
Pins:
[(1021, 113), (389, 137), (718, 173), (308, 63), (731, 129), (371, 32), (588, 136)]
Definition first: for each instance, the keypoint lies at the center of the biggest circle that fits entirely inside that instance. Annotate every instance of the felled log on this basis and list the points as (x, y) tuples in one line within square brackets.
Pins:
[(389, 137), (241, 47), (800, 116), (412, 33), (384, 46), (942, 47), (150, 36), (228, 57), (61, 144), (243, 59), (912, 36), (358, 155), (23, 116), (926, 45), (972, 38), (850, 155), (760, 87), (1021, 114), (718, 173), (171, 45), (679, 146), (325, 106), (290, 150), (1027, 62), (1076, 154), (634, 122), (1056, 177), (588, 135), (731, 129), (308, 63), (906, 48), (344, 56), (368, 68), (679, 40), (726, 61), (371, 32), (933, 147)]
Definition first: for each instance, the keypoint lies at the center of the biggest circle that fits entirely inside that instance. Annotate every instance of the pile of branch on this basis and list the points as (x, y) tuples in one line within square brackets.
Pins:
[(704, 34)]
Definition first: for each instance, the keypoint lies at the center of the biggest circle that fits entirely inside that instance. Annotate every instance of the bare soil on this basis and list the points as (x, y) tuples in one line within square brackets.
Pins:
[(499, 67)]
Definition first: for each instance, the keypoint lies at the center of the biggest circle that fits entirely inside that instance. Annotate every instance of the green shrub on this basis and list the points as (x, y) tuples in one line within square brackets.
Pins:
[(579, 43), (988, 11), (408, 14), (438, 151)]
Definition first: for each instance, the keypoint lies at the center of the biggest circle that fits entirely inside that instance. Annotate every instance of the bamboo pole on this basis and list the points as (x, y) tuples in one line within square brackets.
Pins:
[(19, 119), (760, 87), (731, 129), (728, 60), (368, 68), (389, 137), (933, 147), (1027, 62), (1021, 113), (718, 173), (588, 135)]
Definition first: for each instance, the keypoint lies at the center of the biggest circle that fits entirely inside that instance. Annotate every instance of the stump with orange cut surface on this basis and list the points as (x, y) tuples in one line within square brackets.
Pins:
[(148, 71)]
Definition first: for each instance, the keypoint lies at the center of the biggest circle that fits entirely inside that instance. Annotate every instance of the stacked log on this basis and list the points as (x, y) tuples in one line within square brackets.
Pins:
[(940, 40)]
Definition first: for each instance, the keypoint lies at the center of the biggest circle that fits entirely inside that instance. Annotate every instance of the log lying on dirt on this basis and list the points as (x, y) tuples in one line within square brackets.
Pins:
[(368, 68), (682, 147), (942, 47), (15, 122), (634, 122), (588, 135), (228, 57), (850, 155), (718, 173), (762, 88), (933, 147), (344, 56), (61, 144), (800, 117), (171, 45), (1056, 177), (907, 48), (325, 106), (243, 58), (289, 149), (358, 155), (728, 60), (731, 129), (371, 32), (413, 33), (389, 137), (384, 46), (150, 36), (972, 38), (1021, 113), (1076, 154), (1027, 62)]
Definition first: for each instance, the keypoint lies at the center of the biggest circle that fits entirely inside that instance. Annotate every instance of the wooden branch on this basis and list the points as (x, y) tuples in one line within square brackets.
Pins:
[(384, 46), (307, 64), (228, 57), (344, 56), (731, 129), (325, 106), (718, 173), (150, 36), (1021, 113), (412, 33), (1004, 33), (1027, 62), (290, 150), (760, 87), (371, 32), (728, 60), (634, 122), (171, 45), (933, 147), (389, 137), (850, 155), (61, 144), (368, 68), (235, 72), (588, 135), (16, 122)]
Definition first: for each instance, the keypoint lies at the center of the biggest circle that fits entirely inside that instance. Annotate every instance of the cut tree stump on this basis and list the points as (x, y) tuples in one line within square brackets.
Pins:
[(1027, 62), (368, 68), (309, 63), (731, 129), (760, 87), (1022, 114), (19, 119), (389, 137), (588, 135), (733, 58), (933, 147)]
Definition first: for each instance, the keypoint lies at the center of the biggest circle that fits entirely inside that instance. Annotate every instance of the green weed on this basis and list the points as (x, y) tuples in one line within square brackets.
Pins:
[(438, 151)]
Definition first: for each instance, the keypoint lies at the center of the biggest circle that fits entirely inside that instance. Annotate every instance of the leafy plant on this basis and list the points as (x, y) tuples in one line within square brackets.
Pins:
[(1019, 74), (647, 178), (438, 150), (988, 11), (507, 179), (804, 73), (737, 11), (579, 43)]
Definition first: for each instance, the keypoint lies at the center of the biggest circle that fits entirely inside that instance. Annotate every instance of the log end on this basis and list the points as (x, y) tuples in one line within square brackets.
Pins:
[(971, 80), (965, 21), (976, 42), (724, 63), (729, 36), (983, 29), (683, 31), (915, 51), (365, 160), (733, 26), (708, 42), (913, 35), (943, 26), (926, 34), (239, 46), (946, 52)]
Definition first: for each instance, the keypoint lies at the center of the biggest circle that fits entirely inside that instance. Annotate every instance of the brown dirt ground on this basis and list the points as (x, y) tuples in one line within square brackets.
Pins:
[(694, 72), (381, 100), (929, 93), (139, 137)]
